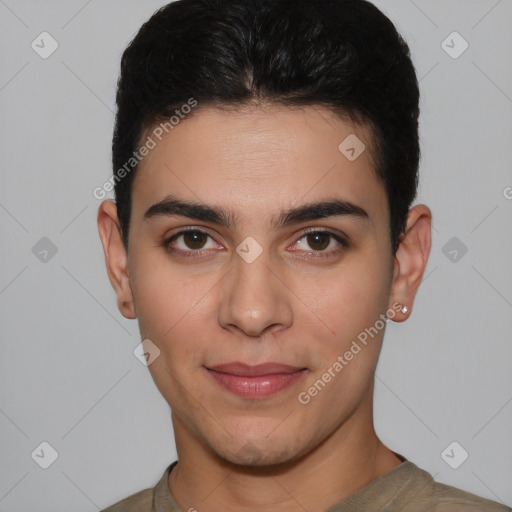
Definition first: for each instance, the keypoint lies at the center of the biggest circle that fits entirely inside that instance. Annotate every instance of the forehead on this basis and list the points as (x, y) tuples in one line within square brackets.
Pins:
[(251, 160)]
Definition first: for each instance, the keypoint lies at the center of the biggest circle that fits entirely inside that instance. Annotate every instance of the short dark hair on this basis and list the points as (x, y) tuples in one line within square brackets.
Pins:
[(342, 54)]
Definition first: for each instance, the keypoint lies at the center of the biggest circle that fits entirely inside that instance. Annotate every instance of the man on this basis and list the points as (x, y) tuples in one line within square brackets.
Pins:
[(265, 162)]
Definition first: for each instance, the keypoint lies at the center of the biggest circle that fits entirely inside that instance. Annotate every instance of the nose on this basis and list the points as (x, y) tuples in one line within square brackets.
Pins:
[(254, 298)]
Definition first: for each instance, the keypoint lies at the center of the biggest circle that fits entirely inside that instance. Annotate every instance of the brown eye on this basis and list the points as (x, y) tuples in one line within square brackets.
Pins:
[(190, 242), (318, 241), (195, 239)]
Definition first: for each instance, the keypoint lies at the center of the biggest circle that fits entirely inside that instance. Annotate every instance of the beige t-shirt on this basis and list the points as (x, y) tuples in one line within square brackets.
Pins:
[(405, 488)]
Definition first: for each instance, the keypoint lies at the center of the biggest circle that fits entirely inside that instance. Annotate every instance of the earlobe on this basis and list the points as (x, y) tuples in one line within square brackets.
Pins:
[(411, 260), (116, 259)]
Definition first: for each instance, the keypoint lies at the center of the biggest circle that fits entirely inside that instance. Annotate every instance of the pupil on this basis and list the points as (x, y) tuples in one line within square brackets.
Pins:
[(316, 239), (194, 239)]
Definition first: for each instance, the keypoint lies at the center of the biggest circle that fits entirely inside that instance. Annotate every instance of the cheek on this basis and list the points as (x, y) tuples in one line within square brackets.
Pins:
[(173, 321), (350, 298), (162, 292), (174, 312)]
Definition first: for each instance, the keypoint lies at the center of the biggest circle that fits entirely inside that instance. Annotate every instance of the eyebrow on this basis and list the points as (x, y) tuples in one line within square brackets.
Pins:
[(170, 206)]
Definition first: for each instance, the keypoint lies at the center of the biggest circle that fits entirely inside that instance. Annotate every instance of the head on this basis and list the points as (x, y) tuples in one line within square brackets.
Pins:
[(283, 136)]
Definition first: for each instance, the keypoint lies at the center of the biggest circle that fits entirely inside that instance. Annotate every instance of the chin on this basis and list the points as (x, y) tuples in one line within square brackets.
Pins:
[(260, 454)]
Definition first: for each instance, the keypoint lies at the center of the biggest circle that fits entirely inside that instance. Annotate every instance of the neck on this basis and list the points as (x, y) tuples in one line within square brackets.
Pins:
[(342, 464)]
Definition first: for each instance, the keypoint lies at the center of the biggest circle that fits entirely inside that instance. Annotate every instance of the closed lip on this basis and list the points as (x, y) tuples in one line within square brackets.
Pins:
[(258, 370)]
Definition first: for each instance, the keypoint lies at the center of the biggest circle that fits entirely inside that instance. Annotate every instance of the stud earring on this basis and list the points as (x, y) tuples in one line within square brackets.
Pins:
[(404, 310)]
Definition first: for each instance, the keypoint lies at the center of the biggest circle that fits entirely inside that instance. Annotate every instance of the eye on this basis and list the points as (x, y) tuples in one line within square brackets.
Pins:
[(195, 243), (190, 242), (322, 243)]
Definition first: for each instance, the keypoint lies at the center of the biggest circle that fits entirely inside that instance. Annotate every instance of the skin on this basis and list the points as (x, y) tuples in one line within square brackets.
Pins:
[(288, 306)]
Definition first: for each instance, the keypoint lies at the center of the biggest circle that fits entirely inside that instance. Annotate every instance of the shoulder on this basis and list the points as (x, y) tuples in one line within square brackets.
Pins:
[(142, 501), (446, 498), (148, 500), (438, 497)]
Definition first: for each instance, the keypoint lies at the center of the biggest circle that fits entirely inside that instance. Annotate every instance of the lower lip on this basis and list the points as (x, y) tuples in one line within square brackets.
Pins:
[(257, 387)]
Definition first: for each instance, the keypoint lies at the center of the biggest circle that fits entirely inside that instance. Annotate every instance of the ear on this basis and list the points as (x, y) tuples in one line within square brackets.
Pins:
[(411, 260), (116, 258)]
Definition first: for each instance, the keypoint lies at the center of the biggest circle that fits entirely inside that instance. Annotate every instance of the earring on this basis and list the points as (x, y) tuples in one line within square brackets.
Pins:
[(404, 310)]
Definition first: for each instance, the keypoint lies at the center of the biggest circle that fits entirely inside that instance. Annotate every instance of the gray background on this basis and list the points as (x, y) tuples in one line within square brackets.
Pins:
[(69, 376)]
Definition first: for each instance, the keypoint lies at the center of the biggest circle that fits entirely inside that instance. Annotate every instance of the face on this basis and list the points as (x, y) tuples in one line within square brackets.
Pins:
[(256, 279)]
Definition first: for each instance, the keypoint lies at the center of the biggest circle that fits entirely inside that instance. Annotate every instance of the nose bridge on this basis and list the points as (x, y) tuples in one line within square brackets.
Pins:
[(253, 297)]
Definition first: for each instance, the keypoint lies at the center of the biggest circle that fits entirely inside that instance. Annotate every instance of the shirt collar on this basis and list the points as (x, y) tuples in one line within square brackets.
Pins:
[(391, 490)]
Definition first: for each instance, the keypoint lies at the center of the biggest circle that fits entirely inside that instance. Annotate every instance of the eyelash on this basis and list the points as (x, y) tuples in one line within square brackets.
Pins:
[(198, 253)]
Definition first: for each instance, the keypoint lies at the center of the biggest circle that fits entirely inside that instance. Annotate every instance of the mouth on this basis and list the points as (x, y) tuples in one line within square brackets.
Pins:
[(256, 382)]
